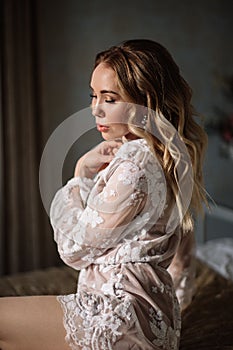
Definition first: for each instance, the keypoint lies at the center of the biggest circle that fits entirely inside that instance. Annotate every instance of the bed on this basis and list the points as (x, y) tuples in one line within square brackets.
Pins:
[(207, 323)]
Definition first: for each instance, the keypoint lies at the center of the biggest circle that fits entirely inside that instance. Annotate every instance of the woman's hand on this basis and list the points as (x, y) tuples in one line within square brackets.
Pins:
[(89, 164)]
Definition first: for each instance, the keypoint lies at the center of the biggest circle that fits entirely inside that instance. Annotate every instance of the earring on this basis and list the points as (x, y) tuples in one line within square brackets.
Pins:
[(144, 121)]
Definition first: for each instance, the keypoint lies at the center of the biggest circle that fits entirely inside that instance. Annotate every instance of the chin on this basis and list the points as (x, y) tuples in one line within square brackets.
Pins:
[(108, 136)]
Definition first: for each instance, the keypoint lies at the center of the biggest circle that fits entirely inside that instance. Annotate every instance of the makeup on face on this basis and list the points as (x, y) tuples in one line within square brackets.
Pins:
[(106, 107)]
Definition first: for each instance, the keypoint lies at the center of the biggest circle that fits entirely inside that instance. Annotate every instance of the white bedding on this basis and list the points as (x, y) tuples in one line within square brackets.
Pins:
[(218, 254)]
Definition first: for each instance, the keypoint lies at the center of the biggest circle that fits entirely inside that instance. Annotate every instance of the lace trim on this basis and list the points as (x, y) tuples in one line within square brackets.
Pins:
[(94, 322), (84, 183), (65, 310)]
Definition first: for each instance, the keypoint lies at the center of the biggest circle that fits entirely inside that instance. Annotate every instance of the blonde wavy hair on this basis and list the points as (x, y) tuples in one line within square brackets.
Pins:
[(148, 76)]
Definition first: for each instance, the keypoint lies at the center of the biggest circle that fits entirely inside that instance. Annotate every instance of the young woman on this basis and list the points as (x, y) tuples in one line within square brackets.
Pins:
[(125, 218)]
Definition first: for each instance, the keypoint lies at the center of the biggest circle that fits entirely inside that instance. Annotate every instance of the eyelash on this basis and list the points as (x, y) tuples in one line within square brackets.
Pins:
[(107, 101)]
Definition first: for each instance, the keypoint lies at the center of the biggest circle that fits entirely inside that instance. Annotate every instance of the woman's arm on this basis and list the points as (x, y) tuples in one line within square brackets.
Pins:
[(85, 228), (90, 164)]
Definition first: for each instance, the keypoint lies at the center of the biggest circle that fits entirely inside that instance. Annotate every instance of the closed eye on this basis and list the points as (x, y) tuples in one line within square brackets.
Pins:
[(110, 101), (93, 96)]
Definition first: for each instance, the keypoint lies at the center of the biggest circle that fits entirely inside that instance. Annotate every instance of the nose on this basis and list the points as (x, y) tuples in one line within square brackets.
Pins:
[(98, 110)]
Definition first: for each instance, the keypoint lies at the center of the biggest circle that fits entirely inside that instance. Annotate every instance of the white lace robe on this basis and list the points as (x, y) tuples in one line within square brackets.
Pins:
[(113, 229)]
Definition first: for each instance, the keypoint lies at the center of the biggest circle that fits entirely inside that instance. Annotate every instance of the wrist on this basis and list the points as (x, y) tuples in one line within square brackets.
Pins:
[(85, 172), (82, 170)]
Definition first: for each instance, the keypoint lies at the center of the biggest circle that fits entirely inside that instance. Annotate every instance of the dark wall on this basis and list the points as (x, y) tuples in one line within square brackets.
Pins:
[(198, 34)]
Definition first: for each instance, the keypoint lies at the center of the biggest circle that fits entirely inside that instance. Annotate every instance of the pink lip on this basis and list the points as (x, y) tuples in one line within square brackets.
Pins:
[(102, 128)]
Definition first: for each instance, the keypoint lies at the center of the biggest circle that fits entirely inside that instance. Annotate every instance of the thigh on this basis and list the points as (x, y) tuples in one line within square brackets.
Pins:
[(34, 322)]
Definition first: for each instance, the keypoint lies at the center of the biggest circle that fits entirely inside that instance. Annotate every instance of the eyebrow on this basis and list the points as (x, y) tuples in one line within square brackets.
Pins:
[(106, 91)]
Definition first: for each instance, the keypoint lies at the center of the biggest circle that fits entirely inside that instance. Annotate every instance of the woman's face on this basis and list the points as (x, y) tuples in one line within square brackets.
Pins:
[(110, 114)]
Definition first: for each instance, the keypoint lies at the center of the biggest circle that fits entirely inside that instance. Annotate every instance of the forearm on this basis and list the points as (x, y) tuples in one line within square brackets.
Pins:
[(82, 170)]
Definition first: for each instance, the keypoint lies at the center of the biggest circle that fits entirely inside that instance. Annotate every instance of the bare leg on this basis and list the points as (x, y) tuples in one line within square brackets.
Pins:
[(34, 322)]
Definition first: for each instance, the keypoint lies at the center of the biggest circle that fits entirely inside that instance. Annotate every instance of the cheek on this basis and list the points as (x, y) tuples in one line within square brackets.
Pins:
[(118, 114), (119, 129), (118, 117)]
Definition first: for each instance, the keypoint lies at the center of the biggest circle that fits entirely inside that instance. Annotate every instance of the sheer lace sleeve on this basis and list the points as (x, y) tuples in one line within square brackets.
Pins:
[(90, 219), (182, 270)]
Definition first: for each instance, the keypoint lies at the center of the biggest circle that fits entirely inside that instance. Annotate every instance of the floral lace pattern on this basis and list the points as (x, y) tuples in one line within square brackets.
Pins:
[(165, 336), (113, 229), (103, 320)]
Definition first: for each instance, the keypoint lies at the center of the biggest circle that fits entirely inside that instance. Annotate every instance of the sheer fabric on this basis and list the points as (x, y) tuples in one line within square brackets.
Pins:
[(113, 229)]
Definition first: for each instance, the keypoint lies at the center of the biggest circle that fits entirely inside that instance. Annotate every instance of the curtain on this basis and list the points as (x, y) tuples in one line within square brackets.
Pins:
[(26, 235)]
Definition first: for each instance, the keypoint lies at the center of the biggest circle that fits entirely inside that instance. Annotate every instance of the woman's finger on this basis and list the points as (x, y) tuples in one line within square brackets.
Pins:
[(107, 158), (109, 146)]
